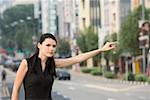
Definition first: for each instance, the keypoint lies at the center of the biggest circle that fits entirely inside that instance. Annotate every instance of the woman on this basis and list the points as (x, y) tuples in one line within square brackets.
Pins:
[(37, 72)]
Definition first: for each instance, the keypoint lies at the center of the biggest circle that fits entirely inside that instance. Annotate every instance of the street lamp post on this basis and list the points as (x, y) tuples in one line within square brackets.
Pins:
[(143, 49)]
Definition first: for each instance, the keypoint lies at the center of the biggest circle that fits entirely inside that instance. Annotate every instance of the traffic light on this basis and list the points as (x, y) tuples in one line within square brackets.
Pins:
[(144, 35)]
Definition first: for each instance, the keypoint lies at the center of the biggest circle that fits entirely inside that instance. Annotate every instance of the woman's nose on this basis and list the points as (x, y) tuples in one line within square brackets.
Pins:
[(51, 48)]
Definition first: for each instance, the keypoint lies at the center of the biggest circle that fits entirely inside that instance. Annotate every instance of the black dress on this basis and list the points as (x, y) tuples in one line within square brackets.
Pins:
[(38, 83)]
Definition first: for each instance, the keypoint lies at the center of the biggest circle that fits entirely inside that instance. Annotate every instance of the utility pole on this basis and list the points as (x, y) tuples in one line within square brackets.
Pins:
[(143, 49)]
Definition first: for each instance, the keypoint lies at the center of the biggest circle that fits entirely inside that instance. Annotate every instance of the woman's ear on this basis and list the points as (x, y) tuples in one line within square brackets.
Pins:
[(38, 45)]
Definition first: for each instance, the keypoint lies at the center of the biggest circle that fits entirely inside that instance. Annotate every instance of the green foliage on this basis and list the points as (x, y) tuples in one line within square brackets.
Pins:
[(64, 48), (96, 72), (148, 79), (129, 76), (128, 38), (87, 40), (110, 75), (110, 55), (140, 77), (86, 70), (19, 35), (89, 70)]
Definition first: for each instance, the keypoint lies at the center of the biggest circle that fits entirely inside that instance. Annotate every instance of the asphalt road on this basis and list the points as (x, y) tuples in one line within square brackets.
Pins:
[(86, 87)]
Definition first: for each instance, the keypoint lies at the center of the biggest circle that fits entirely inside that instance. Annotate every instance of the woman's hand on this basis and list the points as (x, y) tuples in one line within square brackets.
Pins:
[(109, 46)]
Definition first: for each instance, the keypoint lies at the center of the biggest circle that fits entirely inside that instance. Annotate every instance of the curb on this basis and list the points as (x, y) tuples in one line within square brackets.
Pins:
[(112, 80), (127, 82)]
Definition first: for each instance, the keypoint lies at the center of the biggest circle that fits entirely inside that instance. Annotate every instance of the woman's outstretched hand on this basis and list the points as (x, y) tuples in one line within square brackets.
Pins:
[(109, 46)]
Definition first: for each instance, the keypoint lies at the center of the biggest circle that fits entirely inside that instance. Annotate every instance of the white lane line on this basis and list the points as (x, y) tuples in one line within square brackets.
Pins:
[(110, 99), (128, 94), (101, 87), (141, 97), (71, 88), (70, 83), (66, 97)]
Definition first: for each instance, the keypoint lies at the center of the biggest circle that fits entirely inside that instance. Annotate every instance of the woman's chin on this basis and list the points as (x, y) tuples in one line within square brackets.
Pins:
[(49, 55)]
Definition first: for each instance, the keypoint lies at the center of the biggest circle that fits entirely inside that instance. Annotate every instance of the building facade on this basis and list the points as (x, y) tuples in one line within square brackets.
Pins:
[(136, 3), (48, 15), (67, 11), (89, 14)]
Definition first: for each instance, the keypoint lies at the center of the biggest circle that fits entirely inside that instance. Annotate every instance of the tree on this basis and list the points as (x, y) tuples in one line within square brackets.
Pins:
[(87, 40), (128, 38), (18, 28), (63, 48), (110, 55)]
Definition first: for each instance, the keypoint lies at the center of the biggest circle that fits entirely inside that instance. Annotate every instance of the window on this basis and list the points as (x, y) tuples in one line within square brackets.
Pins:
[(84, 23), (83, 2), (114, 16)]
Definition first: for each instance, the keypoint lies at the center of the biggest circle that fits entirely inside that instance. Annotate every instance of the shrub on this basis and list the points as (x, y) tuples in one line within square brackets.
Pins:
[(110, 75), (140, 77), (129, 76), (89, 70), (96, 72), (86, 70), (148, 79)]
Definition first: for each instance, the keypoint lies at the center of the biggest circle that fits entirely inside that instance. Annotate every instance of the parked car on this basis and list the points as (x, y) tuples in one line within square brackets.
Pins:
[(63, 74), (8, 63), (16, 65)]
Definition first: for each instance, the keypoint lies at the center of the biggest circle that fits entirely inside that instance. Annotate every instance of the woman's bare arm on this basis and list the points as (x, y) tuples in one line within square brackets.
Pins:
[(19, 79), (84, 56)]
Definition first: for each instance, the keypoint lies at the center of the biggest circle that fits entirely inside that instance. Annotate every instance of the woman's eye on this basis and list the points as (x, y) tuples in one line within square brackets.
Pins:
[(48, 45), (51, 45), (54, 46)]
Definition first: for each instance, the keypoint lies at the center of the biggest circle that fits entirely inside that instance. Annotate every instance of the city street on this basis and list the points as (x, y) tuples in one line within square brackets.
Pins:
[(87, 87), (110, 38), (10, 79)]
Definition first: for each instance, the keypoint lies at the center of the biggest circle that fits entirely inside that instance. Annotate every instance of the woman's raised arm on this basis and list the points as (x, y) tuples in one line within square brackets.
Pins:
[(84, 56)]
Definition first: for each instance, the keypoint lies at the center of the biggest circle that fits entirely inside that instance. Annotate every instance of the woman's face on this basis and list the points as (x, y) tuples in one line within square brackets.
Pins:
[(48, 47)]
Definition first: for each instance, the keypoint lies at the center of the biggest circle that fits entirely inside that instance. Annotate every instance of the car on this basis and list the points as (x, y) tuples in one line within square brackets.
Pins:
[(8, 63), (63, 75), (16, 65)]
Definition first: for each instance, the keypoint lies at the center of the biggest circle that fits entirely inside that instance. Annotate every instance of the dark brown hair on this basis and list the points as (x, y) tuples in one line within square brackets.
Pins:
[(51, 63)]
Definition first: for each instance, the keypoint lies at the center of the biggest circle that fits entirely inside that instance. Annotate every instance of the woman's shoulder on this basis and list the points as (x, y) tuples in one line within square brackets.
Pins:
[(31, 58), (24, 62)]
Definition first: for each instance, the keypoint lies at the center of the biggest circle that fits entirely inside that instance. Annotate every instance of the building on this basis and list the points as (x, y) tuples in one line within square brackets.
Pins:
[(89, 14), (67, 12), (18, 2), (136, 3), (114, 12), (48, 15)]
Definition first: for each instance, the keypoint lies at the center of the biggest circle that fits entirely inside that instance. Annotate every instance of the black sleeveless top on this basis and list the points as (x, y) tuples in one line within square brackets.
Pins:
[(38, 83)]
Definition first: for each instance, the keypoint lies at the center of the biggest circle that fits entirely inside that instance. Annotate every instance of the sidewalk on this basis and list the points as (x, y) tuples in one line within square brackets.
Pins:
[(109, 80), (4, 92)]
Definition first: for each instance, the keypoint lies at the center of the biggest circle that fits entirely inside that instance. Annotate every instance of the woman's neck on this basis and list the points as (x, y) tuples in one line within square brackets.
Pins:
[(42, 57)]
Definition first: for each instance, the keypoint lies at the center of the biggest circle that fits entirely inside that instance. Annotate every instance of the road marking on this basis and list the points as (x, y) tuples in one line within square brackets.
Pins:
[(65, 97), (5, 91), (141, 97), (71, 88), (101, 87), (128, 94), (110, 99), (70, 83)]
